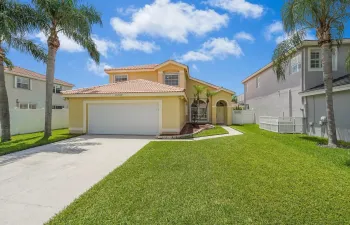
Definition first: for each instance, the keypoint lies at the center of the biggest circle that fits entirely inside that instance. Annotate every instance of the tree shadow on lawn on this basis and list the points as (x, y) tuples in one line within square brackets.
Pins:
[(323, 141), (69, 146)]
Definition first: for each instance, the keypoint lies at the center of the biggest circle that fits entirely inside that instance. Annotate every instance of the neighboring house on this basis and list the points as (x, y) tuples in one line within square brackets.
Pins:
[(145, 100), (240, 100), (26, 89), (301, 94)]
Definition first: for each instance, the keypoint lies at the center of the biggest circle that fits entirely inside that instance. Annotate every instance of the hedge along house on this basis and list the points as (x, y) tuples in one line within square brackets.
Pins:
[(146, 100)]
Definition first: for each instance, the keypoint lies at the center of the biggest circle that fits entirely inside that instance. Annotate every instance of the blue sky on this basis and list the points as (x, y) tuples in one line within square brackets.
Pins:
[(222, 41)]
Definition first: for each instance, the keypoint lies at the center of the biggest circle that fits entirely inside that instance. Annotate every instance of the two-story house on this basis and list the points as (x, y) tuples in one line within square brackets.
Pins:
[(26, 89), (301, 94), (146, 100)]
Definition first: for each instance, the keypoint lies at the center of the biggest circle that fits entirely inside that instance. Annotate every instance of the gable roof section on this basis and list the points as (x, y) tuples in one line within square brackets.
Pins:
[(145, 67), (127, 87), (212, 85), (34, 75), (304, 44)]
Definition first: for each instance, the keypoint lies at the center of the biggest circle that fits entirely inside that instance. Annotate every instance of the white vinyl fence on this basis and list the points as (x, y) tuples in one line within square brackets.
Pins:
[(282, 124), (33, 120), (243, 117)]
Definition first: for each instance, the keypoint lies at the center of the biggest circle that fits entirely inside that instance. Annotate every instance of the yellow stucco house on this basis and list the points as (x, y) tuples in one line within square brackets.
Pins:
[(145, 100)]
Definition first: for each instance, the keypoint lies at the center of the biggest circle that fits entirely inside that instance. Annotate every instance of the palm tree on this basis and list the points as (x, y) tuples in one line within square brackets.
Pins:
[(73, 20), (15, 21), (234, 98), (328, 18)]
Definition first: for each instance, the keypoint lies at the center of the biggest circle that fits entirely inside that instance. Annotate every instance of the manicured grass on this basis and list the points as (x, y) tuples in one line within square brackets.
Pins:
[(210, 132), (24, 141), (255, 178)]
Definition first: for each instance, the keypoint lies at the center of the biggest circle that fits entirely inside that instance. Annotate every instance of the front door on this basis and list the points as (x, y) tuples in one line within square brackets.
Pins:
[(220, 115)]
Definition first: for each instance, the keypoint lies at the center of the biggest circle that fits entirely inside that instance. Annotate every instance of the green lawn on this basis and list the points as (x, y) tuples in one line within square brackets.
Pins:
[(210, 132), (24, 141), (255, 178)]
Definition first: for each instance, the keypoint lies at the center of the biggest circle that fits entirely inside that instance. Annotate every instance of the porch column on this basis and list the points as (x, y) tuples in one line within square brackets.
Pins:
[(229, 115), (213, 114)]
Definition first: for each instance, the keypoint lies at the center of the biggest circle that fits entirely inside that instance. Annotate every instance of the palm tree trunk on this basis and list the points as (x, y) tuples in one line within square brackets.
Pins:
[(328, 84), (50, 72), (4, 103)]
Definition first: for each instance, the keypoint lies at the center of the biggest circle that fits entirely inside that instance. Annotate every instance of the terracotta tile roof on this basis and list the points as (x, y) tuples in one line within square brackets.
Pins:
[(132, 86), (31, 74), (138, 67)]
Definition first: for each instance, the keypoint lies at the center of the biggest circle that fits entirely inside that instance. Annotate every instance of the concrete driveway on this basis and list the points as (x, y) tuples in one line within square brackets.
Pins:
[(37, 183)]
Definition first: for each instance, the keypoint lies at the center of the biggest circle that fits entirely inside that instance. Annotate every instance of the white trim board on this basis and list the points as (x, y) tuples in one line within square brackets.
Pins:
[(322, 91), (160, 104)]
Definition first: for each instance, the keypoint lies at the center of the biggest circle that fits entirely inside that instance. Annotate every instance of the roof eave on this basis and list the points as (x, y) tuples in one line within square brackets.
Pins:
[(150, 94)]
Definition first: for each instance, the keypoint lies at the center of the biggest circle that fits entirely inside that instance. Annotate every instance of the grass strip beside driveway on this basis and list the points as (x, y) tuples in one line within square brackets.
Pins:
[(255, 178), (217, 130), (24, 141)]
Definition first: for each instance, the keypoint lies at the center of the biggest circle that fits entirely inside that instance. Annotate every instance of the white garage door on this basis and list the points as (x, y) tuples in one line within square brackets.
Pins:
[(124, 118)]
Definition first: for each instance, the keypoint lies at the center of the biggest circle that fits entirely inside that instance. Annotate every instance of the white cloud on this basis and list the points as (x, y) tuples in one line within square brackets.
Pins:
[(97, 69), (104, 46), (194, 66), (244, 36), (127, 11), (242, 7), (173, 21), (273, 29), (212, 49), (128, 44), (66, 44)]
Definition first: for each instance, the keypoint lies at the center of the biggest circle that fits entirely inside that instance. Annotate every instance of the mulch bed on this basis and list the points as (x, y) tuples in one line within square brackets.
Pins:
[(192, 128)]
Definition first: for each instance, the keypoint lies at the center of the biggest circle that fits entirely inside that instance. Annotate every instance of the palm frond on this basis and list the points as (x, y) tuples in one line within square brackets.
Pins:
[(8, 63), (28, 46), (284, 52)]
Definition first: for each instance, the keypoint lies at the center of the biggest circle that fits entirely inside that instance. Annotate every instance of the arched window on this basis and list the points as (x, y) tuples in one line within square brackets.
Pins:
[(221, 103)]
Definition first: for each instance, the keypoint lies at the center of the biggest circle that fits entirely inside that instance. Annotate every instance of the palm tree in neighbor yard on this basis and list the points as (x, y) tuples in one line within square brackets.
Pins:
[(327, 18), (16, 20), (74, 21)]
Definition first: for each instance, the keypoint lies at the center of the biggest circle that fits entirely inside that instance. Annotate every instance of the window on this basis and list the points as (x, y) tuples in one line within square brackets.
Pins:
[(257, 79), (57, 107), (26, 105), (120, 78), (171, 79), (57, 88), (23, 82), (296, 64), (315, 59)]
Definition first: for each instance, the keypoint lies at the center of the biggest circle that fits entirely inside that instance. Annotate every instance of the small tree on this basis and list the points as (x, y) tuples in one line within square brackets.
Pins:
[(328, 18), (15, 21), (198, 91), (234, 98), (73, 20)]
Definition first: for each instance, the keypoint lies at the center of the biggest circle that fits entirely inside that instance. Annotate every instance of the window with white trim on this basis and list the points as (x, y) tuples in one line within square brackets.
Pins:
[(57, 88), (296, 64), (23, 82), (26, 105), (120, 78), (315, 59), (57, 107), (257, 80), (171, 79)]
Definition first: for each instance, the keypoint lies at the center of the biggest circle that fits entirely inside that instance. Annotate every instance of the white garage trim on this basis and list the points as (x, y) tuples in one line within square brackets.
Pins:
[(122, 101)]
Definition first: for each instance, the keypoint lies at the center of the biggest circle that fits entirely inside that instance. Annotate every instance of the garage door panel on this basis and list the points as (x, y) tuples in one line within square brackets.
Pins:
[(124, 118)]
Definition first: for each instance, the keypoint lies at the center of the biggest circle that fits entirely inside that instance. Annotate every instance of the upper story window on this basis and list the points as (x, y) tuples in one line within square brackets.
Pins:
[(57, 88), (171, 79), (26, 105), (57, 107), (22, 82), (296, 64), (120, 78), (315, 59), (257, 80)]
